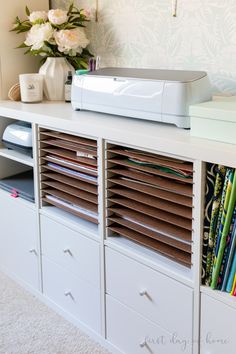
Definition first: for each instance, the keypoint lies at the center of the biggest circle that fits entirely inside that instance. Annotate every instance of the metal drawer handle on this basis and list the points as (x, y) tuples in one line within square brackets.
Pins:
[(69, 294), (143, 343), (143, 292), (68, 251), (33, 251)]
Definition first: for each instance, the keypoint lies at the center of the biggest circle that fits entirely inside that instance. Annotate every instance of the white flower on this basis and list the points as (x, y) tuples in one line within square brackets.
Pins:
[(71, 40), (87, 13), (38, 34), (57, 17), (38, 15)]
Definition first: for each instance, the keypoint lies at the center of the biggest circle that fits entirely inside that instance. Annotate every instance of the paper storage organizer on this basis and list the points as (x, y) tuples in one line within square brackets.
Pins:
[(149, 200), (68, 171)]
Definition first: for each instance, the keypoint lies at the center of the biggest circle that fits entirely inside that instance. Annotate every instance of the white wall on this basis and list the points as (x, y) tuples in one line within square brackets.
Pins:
[(142, 33)]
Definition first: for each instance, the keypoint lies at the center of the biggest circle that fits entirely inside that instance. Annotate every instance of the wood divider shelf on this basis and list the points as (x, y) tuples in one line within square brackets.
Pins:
[(68, 171), (149, 200)]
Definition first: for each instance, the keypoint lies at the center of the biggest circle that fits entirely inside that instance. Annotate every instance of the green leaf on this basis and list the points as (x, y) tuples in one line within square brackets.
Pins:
[(23, 45), (27, 11), (70, 8)]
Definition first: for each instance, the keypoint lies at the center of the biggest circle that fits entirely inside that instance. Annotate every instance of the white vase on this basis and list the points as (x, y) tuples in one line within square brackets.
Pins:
[(55, 71)]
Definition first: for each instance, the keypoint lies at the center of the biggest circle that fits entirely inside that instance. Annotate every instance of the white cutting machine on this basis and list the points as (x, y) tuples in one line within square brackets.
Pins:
[(156, 95)]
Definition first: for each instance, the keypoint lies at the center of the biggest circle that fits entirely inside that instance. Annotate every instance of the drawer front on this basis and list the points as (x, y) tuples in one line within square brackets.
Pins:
[(68, 248), (133, 334), (155, 296), (18, 238), (217, 327), (72, 294)]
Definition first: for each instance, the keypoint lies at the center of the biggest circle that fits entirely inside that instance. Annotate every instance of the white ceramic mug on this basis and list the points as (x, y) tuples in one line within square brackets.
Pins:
[(31, 87)]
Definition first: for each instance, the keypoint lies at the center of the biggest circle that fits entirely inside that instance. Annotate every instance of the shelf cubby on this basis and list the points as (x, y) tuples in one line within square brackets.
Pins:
[(149, 200), (68, 170)]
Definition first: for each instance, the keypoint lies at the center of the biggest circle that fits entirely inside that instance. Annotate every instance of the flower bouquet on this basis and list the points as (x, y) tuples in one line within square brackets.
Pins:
[(56, 33)]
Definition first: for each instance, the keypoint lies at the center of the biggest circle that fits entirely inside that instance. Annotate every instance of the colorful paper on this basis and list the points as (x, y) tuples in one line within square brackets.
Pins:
[(228, 217), (211, 173), (221, 171)]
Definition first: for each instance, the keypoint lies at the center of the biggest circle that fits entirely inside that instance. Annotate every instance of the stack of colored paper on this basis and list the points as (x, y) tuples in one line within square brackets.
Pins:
[(219, 245)]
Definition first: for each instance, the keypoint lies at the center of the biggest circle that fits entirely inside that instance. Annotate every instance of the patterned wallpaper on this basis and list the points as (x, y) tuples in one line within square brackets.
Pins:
[(142, 33)]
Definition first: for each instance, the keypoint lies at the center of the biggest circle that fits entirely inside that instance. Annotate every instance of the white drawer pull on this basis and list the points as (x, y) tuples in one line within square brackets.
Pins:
[(143, 343), (33, 251), (143, 292), (68, 251), (69, 294)]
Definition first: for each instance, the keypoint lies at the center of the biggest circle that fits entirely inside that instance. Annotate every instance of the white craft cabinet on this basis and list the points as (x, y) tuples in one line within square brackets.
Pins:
[(130, 298), (19, 252), (70, 279)]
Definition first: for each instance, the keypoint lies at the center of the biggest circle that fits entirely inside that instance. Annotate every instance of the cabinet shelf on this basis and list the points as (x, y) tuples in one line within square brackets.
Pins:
[(16, 156)]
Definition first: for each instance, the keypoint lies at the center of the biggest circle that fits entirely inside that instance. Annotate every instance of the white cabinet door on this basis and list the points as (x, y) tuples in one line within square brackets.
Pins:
[(18, 240), (133, 334), (72, 294), (218, 333), (70, 249), (154, 295)]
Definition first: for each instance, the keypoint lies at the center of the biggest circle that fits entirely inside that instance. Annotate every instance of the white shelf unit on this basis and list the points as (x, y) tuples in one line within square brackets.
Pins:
[(126, 306)]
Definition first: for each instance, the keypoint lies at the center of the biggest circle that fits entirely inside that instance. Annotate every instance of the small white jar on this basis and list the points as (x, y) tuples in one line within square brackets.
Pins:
[(31, 87)]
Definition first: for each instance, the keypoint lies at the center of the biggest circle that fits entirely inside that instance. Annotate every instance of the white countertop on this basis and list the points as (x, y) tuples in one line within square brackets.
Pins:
[(144, 134)]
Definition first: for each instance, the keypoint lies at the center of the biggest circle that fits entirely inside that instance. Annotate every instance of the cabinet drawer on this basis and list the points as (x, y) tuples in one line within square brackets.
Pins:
[(133, 334), (155, 296), (72, 294), (217, 327), (68, 248), (19, 254)]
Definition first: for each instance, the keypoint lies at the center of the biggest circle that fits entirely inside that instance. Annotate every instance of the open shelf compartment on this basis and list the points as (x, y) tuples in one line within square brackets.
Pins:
[(219, 232), (68, 173), (149, 200)]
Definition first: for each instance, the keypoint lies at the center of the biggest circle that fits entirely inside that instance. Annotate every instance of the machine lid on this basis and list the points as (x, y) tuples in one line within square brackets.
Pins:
[(150, 74)]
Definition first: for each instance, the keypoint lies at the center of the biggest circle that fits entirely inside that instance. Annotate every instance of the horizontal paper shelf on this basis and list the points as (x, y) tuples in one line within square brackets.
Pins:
[(153, 158), (72, 138), (75, 192), (159, 201), (71, 199), (166, 250), (66, 163), (152, 181), (151, 211), (153, 171), (71, 147), (69, 210), (69, 182), (164, 228), (69, 155), (79, 178), (154, 235)]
